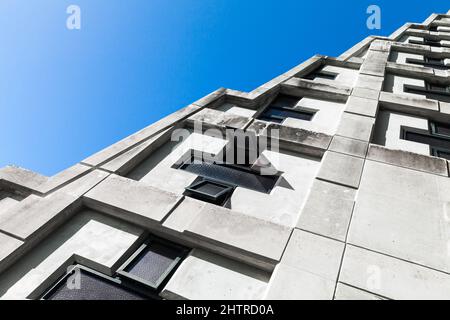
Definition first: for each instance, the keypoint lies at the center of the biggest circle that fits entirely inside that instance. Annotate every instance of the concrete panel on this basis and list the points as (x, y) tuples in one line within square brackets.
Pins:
[(408, 160), (342, 169), (328, 210), (288, 283), (366, 93), (355, 126), (210, 117), (184, 214), (349, 146), (227, 228), (315, 254), (395, 217), (132, 200), (392, 278), (203, 275), (369, 82), (362, 106), (82, 185)]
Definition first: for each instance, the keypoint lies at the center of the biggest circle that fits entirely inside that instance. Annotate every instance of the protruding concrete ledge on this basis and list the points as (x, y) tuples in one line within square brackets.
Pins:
[(140, 136), (131, 200), (408, 160), (35, 216), (257, 239), (295, 139), (409, 70), (303, 87), (400, 31), (211, 98), (405, 103), (410, 48)]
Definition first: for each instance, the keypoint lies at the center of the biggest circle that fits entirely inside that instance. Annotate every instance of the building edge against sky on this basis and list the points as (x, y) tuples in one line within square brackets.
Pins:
[(356, 206)]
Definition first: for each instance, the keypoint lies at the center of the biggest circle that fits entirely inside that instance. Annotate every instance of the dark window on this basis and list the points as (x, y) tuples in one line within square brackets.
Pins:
[(284, 107), (210, 191), (152, 263), (437, 88), (230, 174), (92, 286), (437, 137)]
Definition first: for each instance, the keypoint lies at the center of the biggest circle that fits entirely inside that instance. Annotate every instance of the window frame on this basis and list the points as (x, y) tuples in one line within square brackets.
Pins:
[(431, 133), (121, 271), (204, 196)]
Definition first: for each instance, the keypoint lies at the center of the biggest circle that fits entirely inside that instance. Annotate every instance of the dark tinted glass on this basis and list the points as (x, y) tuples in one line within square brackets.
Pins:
[(283, 114), (232, 175), (285, 101), (92, 287), (443, 129), (154, 262)]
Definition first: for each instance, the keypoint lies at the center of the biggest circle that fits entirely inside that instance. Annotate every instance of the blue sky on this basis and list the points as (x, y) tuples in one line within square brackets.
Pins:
[(65, 94)]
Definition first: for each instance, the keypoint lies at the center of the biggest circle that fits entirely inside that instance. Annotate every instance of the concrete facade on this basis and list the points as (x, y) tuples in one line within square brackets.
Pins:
[(344, 192)]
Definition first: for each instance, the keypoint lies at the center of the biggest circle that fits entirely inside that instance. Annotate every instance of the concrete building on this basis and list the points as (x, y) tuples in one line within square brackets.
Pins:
[(343, 191)]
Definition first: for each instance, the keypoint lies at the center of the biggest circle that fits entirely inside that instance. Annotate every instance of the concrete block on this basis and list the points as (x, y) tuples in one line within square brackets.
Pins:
[(369, 82), (355, 126), (297, 139), (349, 146), (408, 103), (392, 278), (210, 98), (362, 106), (184, 214), (206, 276), (315, 254), (298, 87), (408, 160), (288, 283), (253, 236), (389, 215), (342, 169), (132, 200), (346, 292), (328, 210), (366, 93), (35, 216), (375, 63)]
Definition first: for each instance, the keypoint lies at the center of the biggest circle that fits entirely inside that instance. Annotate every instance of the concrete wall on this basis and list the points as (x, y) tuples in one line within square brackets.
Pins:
[(395, 84)]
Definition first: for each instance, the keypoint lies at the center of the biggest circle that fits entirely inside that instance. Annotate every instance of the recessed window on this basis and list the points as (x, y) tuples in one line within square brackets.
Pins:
[(84, 284), (428, 62), (437, 137), (430, 90), (283, 107), (427, 42), (210, 191), (230, 174), (152, 263)]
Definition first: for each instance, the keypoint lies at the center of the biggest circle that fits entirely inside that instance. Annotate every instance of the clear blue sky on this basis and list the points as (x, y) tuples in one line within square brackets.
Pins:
[(65, 94)]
